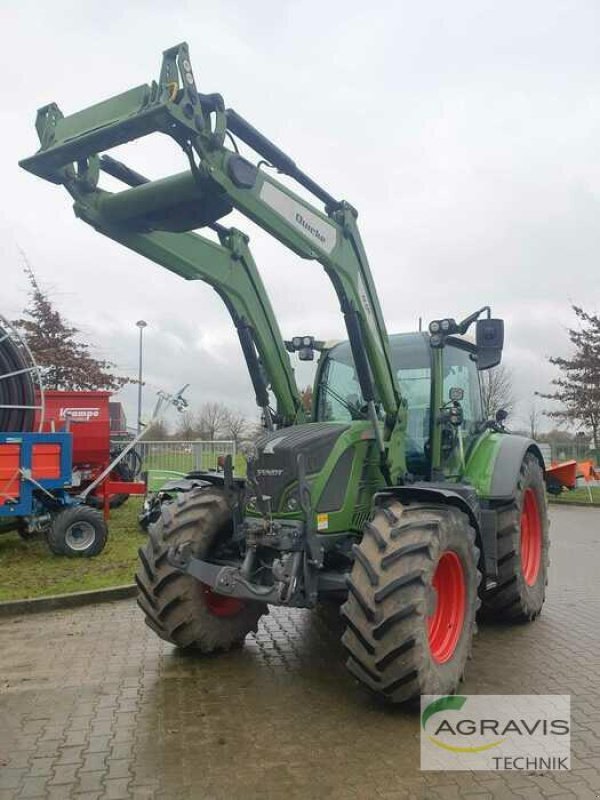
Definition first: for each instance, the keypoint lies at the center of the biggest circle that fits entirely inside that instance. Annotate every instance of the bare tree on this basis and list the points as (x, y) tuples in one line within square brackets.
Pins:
[(557, 435), (236, 426), (187, 426), (212, 419), (156, 432), (533, 419), (497, 391)]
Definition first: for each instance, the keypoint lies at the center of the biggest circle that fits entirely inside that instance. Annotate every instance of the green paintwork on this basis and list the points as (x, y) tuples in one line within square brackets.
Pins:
[(357, 499), (482, 460)]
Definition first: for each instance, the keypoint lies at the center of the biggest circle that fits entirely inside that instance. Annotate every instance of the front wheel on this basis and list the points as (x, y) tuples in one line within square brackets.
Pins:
[(176, 606), (412, 601)]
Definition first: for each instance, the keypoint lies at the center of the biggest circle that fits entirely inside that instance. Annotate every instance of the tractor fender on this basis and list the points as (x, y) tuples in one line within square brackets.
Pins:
[(507, 465), (462, 497)]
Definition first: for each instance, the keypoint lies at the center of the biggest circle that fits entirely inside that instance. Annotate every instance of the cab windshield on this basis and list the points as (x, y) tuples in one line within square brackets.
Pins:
[(339, 397)]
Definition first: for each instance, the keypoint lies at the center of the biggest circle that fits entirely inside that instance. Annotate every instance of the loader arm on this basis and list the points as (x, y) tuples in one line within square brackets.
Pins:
[(220, 179), (230, 270)]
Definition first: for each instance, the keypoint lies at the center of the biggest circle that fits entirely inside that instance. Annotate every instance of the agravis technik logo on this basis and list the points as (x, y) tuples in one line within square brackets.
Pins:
[(495, 732)]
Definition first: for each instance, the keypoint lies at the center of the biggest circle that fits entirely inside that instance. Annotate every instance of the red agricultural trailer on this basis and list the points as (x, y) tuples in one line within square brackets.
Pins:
[(86, 414)]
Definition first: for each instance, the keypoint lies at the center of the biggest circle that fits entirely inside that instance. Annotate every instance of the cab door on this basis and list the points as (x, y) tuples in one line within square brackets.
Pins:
[(460, 372)]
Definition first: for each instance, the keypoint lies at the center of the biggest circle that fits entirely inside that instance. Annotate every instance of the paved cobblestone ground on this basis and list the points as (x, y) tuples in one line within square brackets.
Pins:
[(93, 705)]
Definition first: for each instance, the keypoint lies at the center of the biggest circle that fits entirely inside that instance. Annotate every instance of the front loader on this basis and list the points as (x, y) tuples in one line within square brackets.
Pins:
[(396, 499)]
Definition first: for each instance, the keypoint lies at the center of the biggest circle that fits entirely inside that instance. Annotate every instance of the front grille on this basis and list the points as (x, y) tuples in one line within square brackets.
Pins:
[(276, 461), (359, 519)]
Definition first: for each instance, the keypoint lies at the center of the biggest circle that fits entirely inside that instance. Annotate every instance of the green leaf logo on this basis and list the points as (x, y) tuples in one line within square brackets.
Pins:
[(453, 702)]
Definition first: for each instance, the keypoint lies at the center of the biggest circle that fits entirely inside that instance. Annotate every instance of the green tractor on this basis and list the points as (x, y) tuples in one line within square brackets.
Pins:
[(396, 498)]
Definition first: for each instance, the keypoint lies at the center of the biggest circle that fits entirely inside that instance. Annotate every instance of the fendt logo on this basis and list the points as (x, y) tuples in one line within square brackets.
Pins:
[(269, 473), (79, 414)]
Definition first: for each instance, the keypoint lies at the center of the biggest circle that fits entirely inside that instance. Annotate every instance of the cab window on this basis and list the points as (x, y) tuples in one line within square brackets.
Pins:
[(339, 398)]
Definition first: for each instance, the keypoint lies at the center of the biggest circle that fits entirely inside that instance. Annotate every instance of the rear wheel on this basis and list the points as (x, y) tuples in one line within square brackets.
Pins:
[(523, 544), (412, 601), (177, 607)]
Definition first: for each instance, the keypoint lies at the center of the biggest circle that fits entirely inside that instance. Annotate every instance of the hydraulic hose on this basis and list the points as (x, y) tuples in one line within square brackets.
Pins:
[(17, 390)]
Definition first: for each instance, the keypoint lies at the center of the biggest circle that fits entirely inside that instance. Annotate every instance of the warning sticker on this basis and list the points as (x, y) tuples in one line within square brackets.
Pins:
[(322, 522)]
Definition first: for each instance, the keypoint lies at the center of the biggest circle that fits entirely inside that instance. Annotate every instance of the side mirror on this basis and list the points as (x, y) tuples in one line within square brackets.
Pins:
[(489, 337), (501, 415)]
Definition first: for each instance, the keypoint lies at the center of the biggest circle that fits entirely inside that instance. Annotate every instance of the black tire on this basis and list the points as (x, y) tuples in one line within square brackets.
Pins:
[(78, 531), (515, 599), (391, 598), (176, 606), (553, 486), (25, 533), (151, 510), (117, 500)]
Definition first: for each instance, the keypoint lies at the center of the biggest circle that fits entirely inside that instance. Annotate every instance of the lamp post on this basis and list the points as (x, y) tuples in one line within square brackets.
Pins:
[(141, 324)]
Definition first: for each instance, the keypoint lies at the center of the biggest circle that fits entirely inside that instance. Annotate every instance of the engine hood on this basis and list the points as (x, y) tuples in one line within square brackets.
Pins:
[(277, 453)]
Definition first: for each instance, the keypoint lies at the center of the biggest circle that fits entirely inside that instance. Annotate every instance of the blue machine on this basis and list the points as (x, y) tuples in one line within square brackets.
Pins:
[(36, 494), (35, 469)]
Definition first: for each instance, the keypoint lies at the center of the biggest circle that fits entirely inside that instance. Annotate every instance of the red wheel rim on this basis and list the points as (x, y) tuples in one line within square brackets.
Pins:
[(221, 606), (445, 625), (531, 538)]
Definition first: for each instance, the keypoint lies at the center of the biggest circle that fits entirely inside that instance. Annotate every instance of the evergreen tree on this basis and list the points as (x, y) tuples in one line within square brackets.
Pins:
[(66, 361), (578, 388)]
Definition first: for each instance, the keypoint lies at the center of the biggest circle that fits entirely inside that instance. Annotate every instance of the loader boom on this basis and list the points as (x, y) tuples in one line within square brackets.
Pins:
[(231, 271), (220, 179)]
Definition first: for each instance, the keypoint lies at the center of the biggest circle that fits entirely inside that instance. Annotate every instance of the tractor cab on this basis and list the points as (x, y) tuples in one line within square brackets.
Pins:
[(338, 397)]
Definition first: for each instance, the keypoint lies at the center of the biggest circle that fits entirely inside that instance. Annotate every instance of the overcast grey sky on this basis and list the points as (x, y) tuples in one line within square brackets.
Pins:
[(467, 134)]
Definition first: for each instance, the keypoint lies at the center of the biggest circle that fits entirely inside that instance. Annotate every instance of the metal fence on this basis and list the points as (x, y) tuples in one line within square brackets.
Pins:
[(578, 451), (556, 452), (177, 456), (184, 456)]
